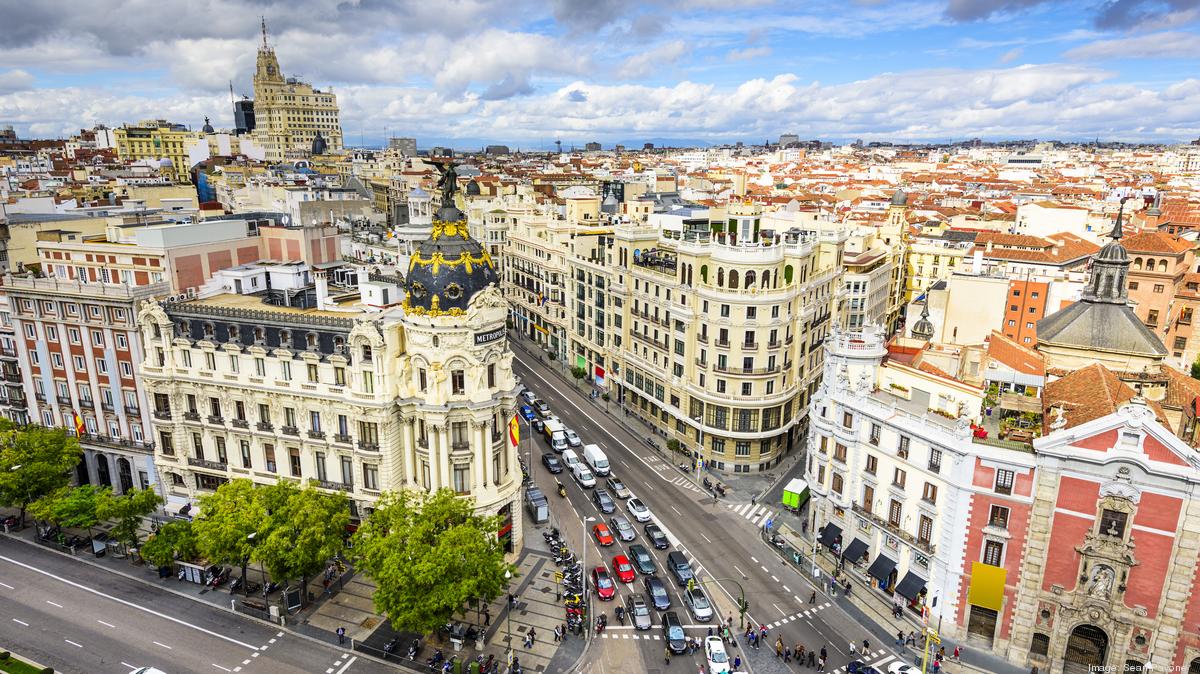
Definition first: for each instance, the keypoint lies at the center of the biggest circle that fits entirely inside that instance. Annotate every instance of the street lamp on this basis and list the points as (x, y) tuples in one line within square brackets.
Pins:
[(508, 619)]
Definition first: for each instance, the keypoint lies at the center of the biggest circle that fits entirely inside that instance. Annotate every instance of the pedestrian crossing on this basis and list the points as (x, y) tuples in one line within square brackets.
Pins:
[(878, 659), (686, 483), (755, 512), (627, 635), (808, 613)]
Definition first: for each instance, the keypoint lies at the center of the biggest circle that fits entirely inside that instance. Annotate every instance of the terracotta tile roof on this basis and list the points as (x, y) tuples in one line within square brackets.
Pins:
[(1149, 241), (1016, 356), (1055, 249), (1181, 389), (1086, 394)]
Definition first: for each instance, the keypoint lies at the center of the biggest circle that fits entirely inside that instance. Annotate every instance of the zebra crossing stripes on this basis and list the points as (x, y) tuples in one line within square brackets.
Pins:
[(686, 483), (807, 613), (606, 635), (877, 660), (756, 513)]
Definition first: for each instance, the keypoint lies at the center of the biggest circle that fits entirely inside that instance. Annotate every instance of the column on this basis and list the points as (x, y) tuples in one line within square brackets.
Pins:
[(408, 445), (443, 457), (435, 457), (482, 444)]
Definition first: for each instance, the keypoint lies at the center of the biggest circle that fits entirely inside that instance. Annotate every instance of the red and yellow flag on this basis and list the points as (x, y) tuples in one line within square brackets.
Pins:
[(78, 424), (514, 431)]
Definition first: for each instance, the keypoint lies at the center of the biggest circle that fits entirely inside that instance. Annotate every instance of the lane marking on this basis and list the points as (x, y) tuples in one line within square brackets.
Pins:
[(785, 589), (765, 570), (20, 622), (754, 559), (246, 661), (128, 665), (106, 624), (347, 665), (704, 537), (677, 511), (740, 572), (53, 604), (781, 611), (156, 643), (271, 641), (128, 603), (73, 643), (226, 669), (776, 580), (8, 586)]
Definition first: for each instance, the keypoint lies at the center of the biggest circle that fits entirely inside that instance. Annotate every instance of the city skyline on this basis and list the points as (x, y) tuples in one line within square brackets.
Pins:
[(704, 71)]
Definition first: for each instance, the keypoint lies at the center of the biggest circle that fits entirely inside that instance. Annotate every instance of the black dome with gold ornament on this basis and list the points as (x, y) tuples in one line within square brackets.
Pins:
[(449, 267)]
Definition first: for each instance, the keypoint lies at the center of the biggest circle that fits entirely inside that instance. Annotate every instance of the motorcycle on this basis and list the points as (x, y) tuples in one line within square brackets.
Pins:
[(601, 623), (562, 490), (235, 585), (720, 488), (389, 647), (778, 541), (435, 661), (620, 611), (414, 649), (707, 483), (270, 587)]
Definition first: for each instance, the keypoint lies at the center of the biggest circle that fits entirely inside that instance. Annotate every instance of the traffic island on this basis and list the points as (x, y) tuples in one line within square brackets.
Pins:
[(13, 664)]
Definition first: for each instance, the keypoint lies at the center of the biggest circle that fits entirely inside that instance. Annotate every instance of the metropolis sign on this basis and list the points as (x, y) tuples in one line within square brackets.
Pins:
[(489, 336)]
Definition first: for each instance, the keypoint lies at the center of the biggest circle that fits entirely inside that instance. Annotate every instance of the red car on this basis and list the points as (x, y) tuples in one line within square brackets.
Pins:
[(623, 569), (605, 587), (603, 535)]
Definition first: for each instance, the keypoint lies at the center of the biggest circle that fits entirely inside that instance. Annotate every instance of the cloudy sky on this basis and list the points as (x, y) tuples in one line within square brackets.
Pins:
[(527, 72)]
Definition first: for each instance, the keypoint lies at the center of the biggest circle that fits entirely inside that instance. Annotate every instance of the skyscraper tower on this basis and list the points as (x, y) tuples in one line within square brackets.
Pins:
[(288, 113)]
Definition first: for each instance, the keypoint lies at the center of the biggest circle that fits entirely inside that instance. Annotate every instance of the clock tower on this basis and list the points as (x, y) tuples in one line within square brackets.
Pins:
[(268, 65)]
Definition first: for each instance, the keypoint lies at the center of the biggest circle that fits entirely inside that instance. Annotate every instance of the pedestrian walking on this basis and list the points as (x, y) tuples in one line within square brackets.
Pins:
[(866, 647), (737, 663), (787, 653), (667, 654), (853, 649), (824, 654), (557, 635), (812, 599), (812, 659), (779, 647), (762, 629), (528, 641), (532, 636), (512, 600), (957, 654), (900, 638), (821, 664), (341, 634)]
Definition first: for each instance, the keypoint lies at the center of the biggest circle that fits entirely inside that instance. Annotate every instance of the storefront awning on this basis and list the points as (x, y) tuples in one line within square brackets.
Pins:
[(830, 535), (855, 551), (910, 586), (882, 568)]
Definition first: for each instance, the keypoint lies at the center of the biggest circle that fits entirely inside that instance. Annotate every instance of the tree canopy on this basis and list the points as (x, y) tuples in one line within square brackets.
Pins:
[(75, 507), (304, 530), (173, 539), (34, 461), (128, 510), (227, 519), (429, 555)]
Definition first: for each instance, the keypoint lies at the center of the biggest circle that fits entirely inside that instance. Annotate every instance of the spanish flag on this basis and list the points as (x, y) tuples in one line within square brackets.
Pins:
[(78, 424), (514, 431)]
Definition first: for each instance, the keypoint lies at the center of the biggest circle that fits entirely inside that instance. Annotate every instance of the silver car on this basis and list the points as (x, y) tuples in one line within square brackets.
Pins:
[(698, 604), (573, 438), (639, 612), (618, 488), (623, 528)]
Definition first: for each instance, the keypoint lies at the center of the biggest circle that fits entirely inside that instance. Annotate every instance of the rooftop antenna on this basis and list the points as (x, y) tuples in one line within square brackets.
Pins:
[(231, 99)]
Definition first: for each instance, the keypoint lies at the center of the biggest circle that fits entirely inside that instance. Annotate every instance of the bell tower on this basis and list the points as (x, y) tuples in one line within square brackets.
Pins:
[(267, 69)]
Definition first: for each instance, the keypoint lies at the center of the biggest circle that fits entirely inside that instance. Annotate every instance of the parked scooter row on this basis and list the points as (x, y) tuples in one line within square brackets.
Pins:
[(715, 487)]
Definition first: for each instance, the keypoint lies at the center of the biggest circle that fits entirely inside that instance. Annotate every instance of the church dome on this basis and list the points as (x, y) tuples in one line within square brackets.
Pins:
[(899, 198), (1113, 251), (207, 128), (319, 145), (449, 268), (472, 189)]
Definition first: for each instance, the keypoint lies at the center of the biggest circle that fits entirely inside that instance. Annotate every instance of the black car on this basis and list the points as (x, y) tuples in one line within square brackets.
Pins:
[(551, 462), (673, 633), (859, 667), (657, 591), (604, 502), (539, 426), (657, 538), (679, 567), (642, 559)]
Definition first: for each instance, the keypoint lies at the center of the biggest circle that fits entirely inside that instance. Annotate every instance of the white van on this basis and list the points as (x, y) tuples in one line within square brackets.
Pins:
[(570, 459), (583, 475), (556, 433), (596, 459)]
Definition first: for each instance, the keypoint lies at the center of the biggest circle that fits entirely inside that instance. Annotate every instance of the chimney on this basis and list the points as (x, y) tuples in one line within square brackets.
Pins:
[(322, 279)]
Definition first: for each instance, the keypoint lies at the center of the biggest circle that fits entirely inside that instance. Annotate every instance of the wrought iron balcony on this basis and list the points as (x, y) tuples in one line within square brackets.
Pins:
[(265, 426), (204, 463), (191, 416), (239, 423), (290, 430), (341, 437), (317, 435), (368, 446)]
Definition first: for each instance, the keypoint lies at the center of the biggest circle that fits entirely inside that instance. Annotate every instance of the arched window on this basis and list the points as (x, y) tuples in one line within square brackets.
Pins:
[(1150, 264), (766, 282), (1137, 263), (1162, 265), (750, 279), (733, 279), (720, 277), (704, 273), (788, 272)]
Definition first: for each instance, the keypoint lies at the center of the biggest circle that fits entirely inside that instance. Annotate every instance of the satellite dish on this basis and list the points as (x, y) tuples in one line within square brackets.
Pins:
[(285, 220)]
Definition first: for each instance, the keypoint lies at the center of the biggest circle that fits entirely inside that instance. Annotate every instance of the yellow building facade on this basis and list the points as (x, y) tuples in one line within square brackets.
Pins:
[(157, 139), (289, 113)]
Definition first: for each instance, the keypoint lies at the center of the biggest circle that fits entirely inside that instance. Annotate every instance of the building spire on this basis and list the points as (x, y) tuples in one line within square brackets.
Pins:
[(1116, 230), (264, 32)]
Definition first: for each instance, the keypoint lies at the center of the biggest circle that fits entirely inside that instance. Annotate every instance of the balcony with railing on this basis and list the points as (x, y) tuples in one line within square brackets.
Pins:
[(894, 529), (133, 410), (317, 435), (265, 426), (342, 438), (290, 430), (368, 446), (239, 423), (336, 486), (205, 463), (14, 377), (191, 415), (107, 407), (117, 442), (88, 403), (64, 400), (649, 340), (8, 352), (216, 419), (162, 414)]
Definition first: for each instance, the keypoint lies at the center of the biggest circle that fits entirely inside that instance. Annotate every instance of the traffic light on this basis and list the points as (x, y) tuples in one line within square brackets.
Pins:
[(745, 606)]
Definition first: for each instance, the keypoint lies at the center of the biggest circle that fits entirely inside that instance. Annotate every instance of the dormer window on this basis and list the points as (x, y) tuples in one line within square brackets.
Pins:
[(311, 340), (339, 344), (285, 339), (209, 330), (233, 333), (260, 335)]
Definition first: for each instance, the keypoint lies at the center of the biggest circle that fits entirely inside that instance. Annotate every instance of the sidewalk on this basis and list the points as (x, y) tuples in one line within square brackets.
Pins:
[(742, 486), (868, 607)]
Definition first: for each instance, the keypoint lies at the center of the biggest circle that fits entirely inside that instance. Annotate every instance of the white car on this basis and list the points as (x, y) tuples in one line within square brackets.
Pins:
[(902, 668), (638, 509), (714, 652), (528, 396), (573, 439), (584, 476)]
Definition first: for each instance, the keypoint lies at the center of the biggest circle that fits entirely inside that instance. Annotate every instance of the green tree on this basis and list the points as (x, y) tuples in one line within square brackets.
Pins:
[(429, 555), (1196, 369), (305, 528), (172, 540), (229, 522), (34, 461), (74, 507), (673, 445), (128, 510), (579, 373)]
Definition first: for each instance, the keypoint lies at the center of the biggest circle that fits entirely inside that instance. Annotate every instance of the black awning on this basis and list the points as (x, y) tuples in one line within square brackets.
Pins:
[(882, 568), (830, 535), (855, 551), (911, 586)]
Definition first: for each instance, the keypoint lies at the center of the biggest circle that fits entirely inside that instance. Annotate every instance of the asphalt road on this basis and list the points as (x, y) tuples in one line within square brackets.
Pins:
[(724, 546), (77, 618)]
